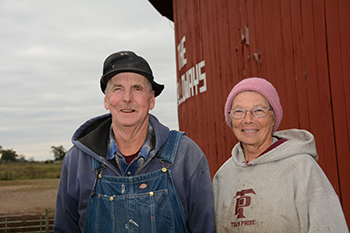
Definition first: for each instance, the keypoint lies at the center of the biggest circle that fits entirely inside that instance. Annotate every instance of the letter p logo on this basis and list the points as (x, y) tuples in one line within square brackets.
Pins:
[(242, 201)]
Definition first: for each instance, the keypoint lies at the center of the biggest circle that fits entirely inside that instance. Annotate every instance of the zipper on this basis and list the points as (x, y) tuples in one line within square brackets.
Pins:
[(115, 171), (137, 171), (144, 165)]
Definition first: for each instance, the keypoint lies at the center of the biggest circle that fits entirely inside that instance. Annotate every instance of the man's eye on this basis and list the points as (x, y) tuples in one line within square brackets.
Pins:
[(137, 88)]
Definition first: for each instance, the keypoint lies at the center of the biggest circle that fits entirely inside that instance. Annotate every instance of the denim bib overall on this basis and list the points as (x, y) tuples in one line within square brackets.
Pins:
[(143, 203)]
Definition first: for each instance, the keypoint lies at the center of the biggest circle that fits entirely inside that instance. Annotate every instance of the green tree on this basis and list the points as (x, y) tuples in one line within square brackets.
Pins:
[(8, 155), (58, 152)]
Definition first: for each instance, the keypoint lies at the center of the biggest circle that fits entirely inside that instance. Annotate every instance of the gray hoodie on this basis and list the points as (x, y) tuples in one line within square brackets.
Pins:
[(284, 190)]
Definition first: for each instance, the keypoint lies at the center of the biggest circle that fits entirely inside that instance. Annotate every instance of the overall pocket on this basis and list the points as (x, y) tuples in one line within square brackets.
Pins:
[(160, 214), (142, 213)]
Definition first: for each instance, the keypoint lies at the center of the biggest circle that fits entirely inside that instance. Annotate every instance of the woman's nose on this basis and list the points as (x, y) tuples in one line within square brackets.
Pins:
[(248, 116)]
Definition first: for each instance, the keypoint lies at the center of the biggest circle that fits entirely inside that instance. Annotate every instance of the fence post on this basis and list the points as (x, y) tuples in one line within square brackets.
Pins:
[(5, 224), (41, 223), (47, 221)]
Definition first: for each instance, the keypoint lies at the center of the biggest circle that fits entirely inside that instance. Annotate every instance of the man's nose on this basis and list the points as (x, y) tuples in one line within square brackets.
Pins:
[(128, 97)]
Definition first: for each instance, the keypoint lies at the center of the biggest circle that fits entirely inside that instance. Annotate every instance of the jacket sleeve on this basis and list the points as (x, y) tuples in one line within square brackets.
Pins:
[(201, 212), (66, 216), (319, 210)]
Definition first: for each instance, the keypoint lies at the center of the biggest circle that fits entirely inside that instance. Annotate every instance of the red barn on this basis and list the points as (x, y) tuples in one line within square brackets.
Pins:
[(301, 47)]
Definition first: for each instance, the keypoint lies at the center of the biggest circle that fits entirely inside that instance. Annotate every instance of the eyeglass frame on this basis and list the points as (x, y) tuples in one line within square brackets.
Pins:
[(251, 112)]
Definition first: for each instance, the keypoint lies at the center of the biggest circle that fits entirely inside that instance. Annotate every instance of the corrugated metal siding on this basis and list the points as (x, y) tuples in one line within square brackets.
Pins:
[(302, 47)]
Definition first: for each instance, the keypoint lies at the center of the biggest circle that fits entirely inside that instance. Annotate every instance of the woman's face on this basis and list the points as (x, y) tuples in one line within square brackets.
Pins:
[(252, 131)]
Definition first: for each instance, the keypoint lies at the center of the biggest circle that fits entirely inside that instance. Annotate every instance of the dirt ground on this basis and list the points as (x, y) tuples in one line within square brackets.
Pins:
[(28, 196)]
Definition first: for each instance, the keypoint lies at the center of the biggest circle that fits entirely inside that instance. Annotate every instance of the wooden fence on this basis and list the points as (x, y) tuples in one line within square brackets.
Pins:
[(27, 223)]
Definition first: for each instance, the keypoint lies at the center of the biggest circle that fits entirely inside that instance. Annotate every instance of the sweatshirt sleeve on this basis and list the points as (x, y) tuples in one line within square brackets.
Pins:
[(66, 216), (201, 215), (320, 209)]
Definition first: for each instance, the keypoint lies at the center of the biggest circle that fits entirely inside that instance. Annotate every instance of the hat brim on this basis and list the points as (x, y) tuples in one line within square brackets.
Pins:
[(158, 88)]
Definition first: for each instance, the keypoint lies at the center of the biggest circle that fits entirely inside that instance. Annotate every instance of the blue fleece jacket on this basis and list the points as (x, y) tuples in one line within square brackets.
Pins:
[(190, 173)]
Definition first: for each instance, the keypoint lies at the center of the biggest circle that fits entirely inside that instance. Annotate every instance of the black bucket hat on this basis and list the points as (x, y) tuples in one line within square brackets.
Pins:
[(127, 61)]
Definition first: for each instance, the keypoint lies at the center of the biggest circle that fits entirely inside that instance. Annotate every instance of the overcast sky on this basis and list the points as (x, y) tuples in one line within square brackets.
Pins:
[(51, 55)]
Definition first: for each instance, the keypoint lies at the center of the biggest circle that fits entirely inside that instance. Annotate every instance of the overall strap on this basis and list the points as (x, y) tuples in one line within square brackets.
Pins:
[(171, 146)]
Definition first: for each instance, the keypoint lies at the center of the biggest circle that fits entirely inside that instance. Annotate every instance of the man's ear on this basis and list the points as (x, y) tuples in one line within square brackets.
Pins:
[(152, 101), (105, 101)]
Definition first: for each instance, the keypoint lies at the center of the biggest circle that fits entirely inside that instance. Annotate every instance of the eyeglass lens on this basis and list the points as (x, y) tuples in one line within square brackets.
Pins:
[(258, 112)]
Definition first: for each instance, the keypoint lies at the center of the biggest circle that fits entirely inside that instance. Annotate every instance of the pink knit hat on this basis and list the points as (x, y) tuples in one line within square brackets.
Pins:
[(261, 86)]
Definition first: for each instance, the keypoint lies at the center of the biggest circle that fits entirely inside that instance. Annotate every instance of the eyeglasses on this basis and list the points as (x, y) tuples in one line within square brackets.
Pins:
[(258, 112)]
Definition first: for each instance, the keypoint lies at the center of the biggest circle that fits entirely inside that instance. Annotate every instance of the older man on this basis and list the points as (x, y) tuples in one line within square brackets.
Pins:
[(126, 171)]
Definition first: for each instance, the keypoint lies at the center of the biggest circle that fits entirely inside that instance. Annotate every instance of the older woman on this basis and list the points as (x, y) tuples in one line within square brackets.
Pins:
[(272, 182)]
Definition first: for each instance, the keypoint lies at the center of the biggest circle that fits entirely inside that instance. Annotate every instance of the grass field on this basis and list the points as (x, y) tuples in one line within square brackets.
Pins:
[(29, 170)]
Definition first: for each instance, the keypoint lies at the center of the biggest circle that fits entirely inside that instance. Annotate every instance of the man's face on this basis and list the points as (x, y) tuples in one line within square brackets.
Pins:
[(129, 97)]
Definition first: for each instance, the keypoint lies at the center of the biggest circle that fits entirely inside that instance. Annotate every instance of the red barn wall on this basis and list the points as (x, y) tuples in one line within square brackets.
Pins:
[(302, 47)]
